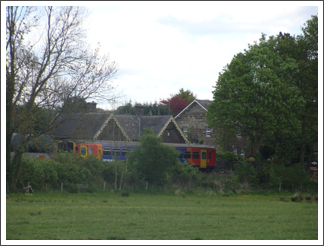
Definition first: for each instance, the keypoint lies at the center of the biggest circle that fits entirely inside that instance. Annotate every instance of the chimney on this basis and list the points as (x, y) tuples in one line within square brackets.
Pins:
[(139, 109), (91, 106)]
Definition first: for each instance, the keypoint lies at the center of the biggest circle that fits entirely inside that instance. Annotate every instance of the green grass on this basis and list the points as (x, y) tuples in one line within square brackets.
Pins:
[(111, 216)]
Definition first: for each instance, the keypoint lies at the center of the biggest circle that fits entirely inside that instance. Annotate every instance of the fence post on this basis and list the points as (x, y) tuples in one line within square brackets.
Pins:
[(146, 186), (61, 186)]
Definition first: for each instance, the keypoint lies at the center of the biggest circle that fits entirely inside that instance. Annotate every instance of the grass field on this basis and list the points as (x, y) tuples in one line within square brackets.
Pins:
[(105, 215)]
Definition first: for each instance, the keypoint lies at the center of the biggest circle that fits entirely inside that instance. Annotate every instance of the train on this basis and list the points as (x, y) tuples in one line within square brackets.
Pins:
[(199, 156)]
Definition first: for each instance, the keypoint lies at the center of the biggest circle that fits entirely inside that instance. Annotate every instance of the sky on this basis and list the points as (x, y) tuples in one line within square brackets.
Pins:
[(161, 47)]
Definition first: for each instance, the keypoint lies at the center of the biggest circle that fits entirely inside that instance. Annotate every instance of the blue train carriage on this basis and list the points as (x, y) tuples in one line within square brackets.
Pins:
[(112, 150)]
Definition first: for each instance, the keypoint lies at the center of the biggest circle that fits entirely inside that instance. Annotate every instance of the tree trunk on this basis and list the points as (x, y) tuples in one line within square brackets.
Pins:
[(302, 147), (115, 175), (121, 181)]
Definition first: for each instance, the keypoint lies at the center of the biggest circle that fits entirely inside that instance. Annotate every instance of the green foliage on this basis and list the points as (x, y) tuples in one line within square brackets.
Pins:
[(74, 105), (152, 160), (109, 171), (245, 173), (149, 108), (269, 93), (226, 156), (185, 174), (186, 95)]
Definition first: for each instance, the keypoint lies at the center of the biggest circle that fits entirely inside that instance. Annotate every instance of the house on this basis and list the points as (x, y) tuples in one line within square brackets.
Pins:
[(192, 121), (107, 126)]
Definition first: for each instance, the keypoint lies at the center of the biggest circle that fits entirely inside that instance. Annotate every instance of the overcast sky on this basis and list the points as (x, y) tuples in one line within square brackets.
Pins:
[(161, 47), (164, 46)]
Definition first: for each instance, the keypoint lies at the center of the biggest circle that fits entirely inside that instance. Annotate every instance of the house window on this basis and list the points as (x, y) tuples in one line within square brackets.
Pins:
[(195, 155), (185, 130), (107, 151), (207, 131), (242, 153), (235, 151), (187, 154)]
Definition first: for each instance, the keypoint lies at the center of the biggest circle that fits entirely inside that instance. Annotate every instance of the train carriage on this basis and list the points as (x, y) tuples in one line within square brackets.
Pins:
[(200, 156)]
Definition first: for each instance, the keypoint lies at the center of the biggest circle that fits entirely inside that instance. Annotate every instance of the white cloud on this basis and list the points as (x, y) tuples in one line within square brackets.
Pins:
[(164, 46)]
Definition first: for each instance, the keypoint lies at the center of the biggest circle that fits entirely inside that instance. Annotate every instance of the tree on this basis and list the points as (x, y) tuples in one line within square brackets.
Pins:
[(153, 159), (179, 101), (74, 105), (48, 72), (304, 50), (253, 93)]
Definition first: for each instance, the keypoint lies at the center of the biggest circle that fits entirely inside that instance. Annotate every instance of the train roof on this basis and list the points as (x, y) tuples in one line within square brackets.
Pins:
[(134, 144)]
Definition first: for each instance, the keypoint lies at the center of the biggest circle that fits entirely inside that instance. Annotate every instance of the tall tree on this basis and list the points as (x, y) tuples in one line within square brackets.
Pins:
[(252, 94), (178, 101), (304, 50), (47, 72)]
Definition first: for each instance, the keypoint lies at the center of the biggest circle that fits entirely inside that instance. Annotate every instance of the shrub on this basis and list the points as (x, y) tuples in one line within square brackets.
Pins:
[(245, 173), (185, 174), (152, 160), (226, 156)]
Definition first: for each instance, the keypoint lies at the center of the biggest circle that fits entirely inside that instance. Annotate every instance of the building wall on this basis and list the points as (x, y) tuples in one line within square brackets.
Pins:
[(172, 135), (194, 118)]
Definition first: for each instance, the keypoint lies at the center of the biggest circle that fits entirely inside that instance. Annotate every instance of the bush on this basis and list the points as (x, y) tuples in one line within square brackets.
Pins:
[(185, 174), (245, 173), (226, 156), (152, 160)]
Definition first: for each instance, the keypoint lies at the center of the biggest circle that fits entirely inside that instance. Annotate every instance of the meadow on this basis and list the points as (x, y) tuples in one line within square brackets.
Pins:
[(203, 215)]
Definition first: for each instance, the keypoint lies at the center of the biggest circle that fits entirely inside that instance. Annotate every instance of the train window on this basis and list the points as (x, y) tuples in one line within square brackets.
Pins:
[(76, 149), (116, 152), (60, 146), (209, 155), (70, 146), (107, 151), (187, 154), (90, 151), (83, 151), (203, 155), (124, 152), (195, 155)]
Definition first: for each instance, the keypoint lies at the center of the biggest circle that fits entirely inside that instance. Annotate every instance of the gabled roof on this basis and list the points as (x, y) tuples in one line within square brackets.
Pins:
[(201, 103), (78, 125), (130, 124), (81, 125), (91, 125)]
